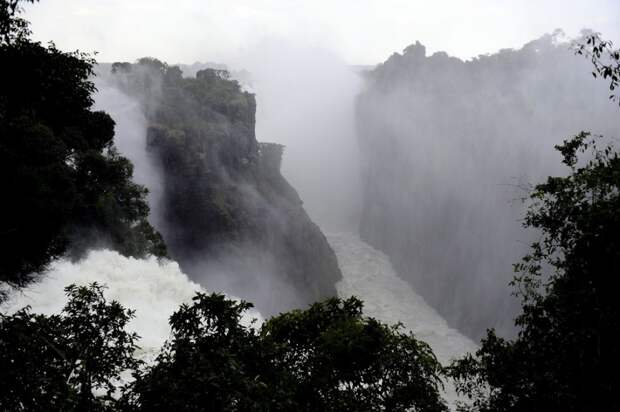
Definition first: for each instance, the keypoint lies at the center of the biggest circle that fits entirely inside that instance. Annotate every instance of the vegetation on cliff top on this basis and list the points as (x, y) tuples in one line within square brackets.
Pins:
[(66, 186), (449, 146), (224, 198)]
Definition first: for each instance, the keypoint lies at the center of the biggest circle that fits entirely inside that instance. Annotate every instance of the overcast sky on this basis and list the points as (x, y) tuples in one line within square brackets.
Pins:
[(360, 31)]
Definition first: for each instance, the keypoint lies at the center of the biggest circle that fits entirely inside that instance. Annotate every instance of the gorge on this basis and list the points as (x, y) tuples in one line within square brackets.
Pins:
[(390, 157), (295, 232)]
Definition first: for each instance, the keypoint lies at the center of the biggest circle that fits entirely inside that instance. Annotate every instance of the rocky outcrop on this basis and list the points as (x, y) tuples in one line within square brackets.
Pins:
[(449, 147), (228, 216)]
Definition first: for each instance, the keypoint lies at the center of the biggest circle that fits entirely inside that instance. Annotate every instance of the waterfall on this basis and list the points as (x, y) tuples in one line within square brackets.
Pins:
[(369, 275), (153, 288)]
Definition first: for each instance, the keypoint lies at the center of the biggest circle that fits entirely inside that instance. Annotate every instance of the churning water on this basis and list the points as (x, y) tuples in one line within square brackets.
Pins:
[(155, 289), (368, 274)]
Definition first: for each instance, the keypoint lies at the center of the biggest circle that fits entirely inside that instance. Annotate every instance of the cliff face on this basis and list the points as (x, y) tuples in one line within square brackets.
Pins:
[(228, 216), (448, 150)]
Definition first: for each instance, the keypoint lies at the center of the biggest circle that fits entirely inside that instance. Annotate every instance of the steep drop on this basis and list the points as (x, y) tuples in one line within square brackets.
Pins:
[(226, 213), (368, 274), (449, 147)]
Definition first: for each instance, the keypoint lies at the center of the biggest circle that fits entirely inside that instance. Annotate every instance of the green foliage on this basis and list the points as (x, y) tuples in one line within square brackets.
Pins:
[(212, 362), (70, 361), (328, 357), (12, 27), (339, 360), (566, 355), (605, 59), (65, 184), (202, 132)]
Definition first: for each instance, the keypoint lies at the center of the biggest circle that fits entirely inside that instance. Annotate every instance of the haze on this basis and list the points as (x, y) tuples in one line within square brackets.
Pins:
[(360, 31)]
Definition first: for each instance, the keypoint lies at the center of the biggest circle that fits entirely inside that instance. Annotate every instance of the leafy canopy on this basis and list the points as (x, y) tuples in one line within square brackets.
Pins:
[(70, 361), (328, 357), (340, 360), (65, 185), (566, 356)]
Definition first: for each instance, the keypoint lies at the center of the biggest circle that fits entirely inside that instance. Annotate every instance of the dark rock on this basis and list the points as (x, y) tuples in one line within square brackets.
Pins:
[(229, 217)]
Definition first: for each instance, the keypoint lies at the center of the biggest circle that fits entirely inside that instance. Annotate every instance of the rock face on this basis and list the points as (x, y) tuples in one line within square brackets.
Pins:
[(448, 150), (228, 216)]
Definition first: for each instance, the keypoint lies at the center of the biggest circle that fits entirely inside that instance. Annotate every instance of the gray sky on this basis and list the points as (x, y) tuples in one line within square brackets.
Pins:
[(360, 31)]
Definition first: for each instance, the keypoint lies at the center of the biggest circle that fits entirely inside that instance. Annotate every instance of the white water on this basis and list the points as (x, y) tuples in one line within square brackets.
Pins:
[(130, 139), (368, 274), (154, 289)]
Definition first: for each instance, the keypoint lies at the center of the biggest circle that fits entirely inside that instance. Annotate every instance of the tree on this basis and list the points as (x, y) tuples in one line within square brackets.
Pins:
[(328, 357), (339, 360), (71, 361), (12, 27), (66, 186), (566, 356), (211, 363), (604, 58)]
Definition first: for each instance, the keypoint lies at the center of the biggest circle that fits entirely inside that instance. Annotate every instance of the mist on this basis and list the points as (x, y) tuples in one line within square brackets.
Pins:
[(360, 31), (310, 205), (428, 158), (450, 148), (130, 139), (153, 288), (306, 101), (226, 213)]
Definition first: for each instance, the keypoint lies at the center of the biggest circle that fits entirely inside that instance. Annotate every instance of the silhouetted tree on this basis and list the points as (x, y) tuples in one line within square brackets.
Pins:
[(566, 356), (339, 360), (605, 59), (70, 361), (12, 27), (211, 363), (65, 185), (328, 358)]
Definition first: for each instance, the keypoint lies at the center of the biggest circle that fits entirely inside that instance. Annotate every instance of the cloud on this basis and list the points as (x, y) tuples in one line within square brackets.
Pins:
[(360, 31)]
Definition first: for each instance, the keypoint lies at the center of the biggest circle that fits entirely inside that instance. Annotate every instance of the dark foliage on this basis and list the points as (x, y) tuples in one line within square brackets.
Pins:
[(604, 58), (56, 362), (326, 358), (566, 356), (12, 27), (339, 360), (211, 363), (65, 186), (449, 146)]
